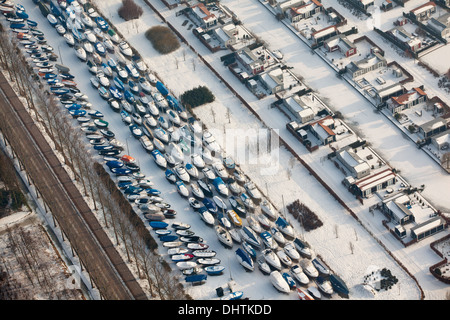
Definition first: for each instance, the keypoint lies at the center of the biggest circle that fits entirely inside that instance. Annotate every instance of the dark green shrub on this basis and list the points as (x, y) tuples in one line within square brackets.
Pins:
[(197, 97)]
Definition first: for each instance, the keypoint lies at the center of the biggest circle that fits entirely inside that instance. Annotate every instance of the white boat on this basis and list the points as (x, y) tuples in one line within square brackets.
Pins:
[(290, 250), (173, 117), (185, 233), (150, 121), (235, 235), (298, 274), (309, 268), (314, 292), (204, 253), (125, 49), (224, 236), (234, 187), (172, 244), (209, 173), (278, 282), (220, 170), (146, 143), (197, 246), (159, 158), (263, 266), (161, 134), (151, 77), (278, 236), (268, 240), (324, 285), (145, 85), (182, 265), (194, 203), (149, 208), (223, 220), (81, 53), (210, 141), (192, 170), (182, 174), (320, 266), (177, 250), (159, 145), (182, 257), (221, 206), (90, 36), (109, 45), (284, 258), (181, 226), (254, 224), (263, 221), (52, 19), (104, 81), (86, 20), (285, 227), (176, 151), (197, 161), (153, 109), (248, 202), (88, 47), (268, 210), (207, 217), (208, 261), (239, 176), (196, 191), (303, 247), (252, 191), (140, 65), (182, 189), (92, 66), (68, 37), (272, 259)]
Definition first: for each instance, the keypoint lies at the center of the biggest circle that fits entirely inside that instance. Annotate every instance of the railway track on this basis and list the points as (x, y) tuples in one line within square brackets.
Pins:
[(105, 266)]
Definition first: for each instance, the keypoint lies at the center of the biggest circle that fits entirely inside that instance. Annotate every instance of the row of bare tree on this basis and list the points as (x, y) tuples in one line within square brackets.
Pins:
[(71, 144), (39, 279)]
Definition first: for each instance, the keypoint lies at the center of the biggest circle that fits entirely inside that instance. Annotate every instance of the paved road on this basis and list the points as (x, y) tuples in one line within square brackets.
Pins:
[(104, 264)]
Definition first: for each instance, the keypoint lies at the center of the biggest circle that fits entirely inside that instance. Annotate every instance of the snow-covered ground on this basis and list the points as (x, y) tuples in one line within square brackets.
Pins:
[(332, 240)]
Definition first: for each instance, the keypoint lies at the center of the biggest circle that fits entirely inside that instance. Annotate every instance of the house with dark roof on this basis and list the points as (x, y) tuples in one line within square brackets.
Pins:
[(433, 127), (441, 25), (407, 39), (362, 5)]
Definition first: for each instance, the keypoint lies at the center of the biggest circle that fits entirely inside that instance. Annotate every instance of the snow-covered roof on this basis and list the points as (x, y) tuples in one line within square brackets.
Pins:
[(427, 225), (203, 13), (375, 180), (323, 32), (427, 6), (442, 138), (408, 97), (308, 7)]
